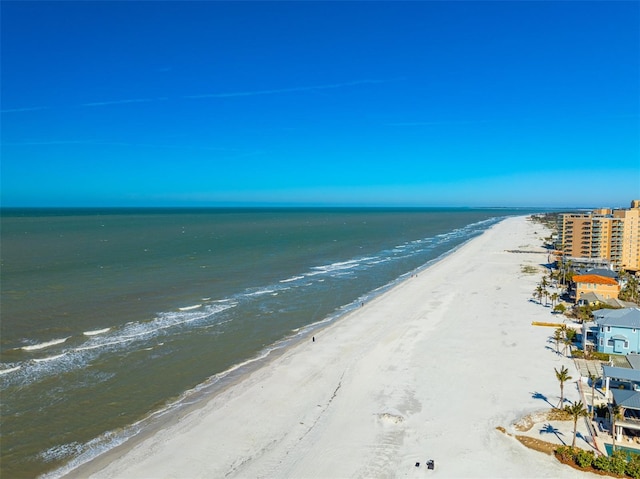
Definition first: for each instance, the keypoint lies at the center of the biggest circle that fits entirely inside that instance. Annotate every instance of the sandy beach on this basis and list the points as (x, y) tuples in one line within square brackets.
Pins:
[(427, 370)]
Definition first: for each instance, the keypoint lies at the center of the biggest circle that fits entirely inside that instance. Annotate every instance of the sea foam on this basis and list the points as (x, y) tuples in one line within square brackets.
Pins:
[(35, 347)]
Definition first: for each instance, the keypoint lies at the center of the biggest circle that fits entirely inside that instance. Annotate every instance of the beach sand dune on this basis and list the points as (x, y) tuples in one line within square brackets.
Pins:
[(428, 370)]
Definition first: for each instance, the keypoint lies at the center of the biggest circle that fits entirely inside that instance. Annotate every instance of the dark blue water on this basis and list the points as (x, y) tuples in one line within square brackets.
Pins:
[(111, 317)]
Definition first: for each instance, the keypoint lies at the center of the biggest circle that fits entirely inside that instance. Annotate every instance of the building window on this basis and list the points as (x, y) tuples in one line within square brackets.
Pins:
[(608, 329), (626, 345), (610, 342), (601, 342)]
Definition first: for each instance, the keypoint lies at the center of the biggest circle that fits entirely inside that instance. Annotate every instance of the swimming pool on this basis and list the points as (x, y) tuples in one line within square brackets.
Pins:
[(627, 450)]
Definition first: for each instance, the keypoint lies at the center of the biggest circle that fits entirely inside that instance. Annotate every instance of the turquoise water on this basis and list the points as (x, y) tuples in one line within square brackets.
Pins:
[(628, 451), (110, 317)]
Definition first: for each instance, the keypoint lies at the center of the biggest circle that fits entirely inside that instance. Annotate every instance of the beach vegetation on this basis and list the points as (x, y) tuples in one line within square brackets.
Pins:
[(564, 454), (557, 337), (548, 220), (631, 289), (563, 377), (559, 308), (539, 293), (602, 463), (584, 458), (618, 460), (616, 415), (617, 465), (633, 466), (576, 411), (528, 269), (591, 355)]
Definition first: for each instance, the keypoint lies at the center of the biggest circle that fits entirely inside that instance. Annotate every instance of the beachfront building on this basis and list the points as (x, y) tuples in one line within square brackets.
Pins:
[(623, 387), (603, 286), (603, 234), (616, 331)]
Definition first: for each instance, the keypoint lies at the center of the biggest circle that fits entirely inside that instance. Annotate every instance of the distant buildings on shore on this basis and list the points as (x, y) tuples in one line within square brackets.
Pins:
[(602, 236)]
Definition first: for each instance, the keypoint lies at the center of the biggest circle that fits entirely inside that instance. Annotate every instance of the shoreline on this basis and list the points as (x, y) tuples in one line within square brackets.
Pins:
[(366, 389), (198, 396)]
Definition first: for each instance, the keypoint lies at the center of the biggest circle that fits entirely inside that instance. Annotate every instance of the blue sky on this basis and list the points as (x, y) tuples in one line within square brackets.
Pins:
[(320, 103)]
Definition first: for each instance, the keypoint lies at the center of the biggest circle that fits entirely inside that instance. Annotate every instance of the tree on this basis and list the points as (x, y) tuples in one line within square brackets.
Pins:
[(538, 294), (557, 337), (576, 411), (560, 308), (616, 415), (630, 291), (554, 297), (563, 376), (567, 271), (545, 293), (544, 283)]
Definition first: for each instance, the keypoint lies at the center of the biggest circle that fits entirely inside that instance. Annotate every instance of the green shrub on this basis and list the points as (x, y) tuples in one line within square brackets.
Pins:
[(633, 466), (618, 461), (559, 308), (584, 458), (602, 463), (565, 453), (600, 356)]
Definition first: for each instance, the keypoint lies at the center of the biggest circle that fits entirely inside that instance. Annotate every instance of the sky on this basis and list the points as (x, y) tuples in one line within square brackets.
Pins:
[(451, 103)]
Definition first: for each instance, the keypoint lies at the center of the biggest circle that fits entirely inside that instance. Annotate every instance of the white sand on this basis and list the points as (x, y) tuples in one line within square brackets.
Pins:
[(426, 371)]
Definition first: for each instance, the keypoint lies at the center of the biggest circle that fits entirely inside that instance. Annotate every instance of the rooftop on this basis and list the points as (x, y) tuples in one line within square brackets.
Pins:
[(594, 278), (626, 318)]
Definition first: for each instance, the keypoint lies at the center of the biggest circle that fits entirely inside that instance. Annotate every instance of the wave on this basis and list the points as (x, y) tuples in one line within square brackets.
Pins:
[(35, 347), (293, 278), (96, 332), (139, 334), (80, 454), (260, 292), (50, 358), (189, 308), (9, 370), (110, 341)]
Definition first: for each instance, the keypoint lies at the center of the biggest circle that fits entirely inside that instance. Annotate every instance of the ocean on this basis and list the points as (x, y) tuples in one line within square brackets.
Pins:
[(113, 318)]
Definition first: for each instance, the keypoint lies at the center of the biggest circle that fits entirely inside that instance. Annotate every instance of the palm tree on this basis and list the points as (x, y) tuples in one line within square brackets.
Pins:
[(563, 376), (576, 411), (567, 268), (538, 294), (544, 283), (566, 344), (616, 415), (554, 297), (630, 290), (557, 337)]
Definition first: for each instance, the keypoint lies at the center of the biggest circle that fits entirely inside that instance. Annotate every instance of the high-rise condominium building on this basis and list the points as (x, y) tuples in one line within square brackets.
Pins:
[(608, 234)]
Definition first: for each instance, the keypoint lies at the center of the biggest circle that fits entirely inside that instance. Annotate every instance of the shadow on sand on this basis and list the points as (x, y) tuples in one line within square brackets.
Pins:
[(549, 429), (538, 395)]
